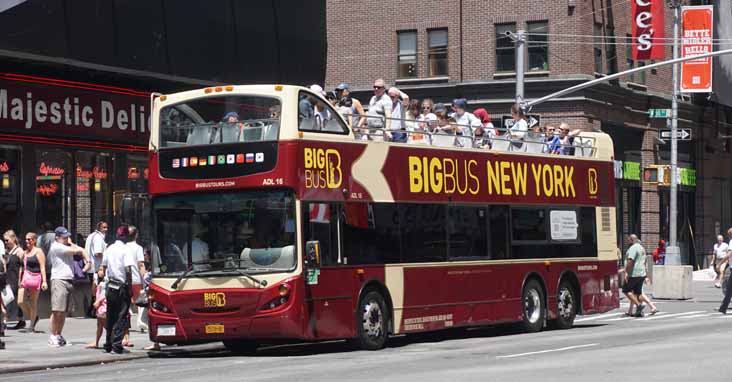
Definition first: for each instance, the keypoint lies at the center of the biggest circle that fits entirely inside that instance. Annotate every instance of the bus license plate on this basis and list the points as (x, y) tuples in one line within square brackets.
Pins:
[(214, 329), (166, 330)]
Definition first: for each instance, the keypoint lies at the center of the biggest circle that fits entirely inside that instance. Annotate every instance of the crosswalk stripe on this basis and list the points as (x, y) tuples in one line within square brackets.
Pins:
[(597, 317), (660, 315), (697, 315)]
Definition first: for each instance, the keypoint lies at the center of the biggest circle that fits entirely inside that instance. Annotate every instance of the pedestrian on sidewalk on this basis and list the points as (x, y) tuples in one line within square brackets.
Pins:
[(95, 246), (61, 255), (32, 280), (116, 269), (100, 306), (720, 254), (13, 268), (635, 275), (138, 271), (728, 291)]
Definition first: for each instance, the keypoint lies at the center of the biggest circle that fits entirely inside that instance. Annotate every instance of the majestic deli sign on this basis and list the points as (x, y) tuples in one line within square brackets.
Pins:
[(648, 29), (73, 112)]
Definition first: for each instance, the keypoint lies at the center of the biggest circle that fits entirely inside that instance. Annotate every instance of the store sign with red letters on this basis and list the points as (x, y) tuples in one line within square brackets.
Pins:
[(648, 29)]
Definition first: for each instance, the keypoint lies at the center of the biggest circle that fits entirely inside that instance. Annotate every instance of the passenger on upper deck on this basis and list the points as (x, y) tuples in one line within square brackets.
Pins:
[(380, 107), (464, 118), (228, 130), (518, 131), (567, 137), (343, 91), (399, 101), (554, 144), (486, 131)]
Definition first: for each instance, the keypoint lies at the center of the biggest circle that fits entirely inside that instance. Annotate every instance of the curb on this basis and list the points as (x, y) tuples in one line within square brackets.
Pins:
[(61, 365)]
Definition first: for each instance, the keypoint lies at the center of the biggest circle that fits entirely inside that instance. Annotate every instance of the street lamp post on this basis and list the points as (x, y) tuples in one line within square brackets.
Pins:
[(673, 254)]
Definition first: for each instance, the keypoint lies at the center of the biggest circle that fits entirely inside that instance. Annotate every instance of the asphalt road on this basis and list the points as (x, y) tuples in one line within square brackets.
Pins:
[(686, 341)]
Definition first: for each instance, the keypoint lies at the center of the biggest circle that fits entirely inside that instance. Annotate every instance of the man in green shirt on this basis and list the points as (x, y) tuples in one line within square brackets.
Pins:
[(635, 274)]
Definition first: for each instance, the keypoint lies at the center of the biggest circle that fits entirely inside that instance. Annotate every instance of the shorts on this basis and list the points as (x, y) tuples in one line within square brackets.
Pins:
[(61, 295), (635, 285)]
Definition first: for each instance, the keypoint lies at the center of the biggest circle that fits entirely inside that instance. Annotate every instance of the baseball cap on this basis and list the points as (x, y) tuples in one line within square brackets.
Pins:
[(123, 231), (460, 102), (231, 114), (315, 88), (440, 108), (62, 231), (343, 86)]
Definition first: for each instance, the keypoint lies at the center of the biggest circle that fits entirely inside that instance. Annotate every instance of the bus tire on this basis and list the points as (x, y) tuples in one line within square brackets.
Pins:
[(372, 321), (532, 306), (566, 306), (241, 347)]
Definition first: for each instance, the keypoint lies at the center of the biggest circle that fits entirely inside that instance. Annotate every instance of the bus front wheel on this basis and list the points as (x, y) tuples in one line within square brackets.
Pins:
[(372, 321), (532, 301)]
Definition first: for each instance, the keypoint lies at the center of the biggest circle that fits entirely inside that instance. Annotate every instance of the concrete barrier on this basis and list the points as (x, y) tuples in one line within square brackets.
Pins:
[(672, 282)]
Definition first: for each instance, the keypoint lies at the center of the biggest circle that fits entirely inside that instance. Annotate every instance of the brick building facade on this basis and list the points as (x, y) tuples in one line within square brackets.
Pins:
[(447, 49)]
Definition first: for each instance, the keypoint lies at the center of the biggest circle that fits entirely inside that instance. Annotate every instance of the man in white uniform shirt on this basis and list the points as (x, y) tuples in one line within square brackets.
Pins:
[(61, 256), (138, 271), (117, 267), (95, 246)]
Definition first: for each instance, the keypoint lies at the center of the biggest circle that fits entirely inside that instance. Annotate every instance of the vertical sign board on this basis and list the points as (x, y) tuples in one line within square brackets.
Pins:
[(696, 23), (648, 29)]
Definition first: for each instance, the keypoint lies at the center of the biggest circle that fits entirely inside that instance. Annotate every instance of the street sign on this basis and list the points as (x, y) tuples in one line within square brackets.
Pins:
[(531, 120), (659, 113), (682, 134)]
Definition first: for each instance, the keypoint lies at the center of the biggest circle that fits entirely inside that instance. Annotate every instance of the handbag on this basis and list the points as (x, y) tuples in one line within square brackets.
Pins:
[(7, 295), (31, 280), (141, 300), (79, 274)]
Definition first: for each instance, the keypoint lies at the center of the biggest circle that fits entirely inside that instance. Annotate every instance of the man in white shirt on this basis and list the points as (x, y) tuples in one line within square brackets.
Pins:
[(467, 122), (117, 265), (61, 256), (138, 271), (400, 101), (720, 253), (379, 108), (95, 246)]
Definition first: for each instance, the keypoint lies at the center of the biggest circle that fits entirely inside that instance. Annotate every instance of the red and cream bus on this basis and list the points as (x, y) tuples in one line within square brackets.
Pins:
[(277, 224)]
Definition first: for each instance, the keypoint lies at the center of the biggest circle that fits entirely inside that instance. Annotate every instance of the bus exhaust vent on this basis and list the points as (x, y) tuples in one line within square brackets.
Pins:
[(605, 216)]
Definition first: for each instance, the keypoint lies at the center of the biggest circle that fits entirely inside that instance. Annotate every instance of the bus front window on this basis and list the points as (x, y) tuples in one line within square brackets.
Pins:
[(223, 119), (254, 231)]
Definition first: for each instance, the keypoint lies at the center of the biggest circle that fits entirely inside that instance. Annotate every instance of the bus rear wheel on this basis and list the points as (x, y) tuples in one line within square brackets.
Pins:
[(372, 321), (532, 301), (241, 347), (566, 306)]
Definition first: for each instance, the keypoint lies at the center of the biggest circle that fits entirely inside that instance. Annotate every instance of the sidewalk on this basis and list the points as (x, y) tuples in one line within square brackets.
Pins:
[(30, 351)]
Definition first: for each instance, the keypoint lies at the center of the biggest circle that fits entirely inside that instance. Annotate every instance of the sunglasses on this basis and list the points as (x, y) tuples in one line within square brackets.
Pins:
[(378, 87)]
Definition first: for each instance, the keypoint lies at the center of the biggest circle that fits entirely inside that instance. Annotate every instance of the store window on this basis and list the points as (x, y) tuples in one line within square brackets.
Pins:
[(9, 188), (92, 190), (137, 174), (53, 196)]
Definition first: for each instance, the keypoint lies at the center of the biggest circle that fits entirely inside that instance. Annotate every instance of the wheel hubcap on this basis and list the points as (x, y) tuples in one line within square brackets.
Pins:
[(373, 319), (566, 304), (532, 306)]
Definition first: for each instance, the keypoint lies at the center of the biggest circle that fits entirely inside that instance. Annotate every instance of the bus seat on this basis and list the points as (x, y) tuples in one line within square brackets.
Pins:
[(200, 135), (229, 132), (272, 131), (583, 147), (500, 143), (443, 140)]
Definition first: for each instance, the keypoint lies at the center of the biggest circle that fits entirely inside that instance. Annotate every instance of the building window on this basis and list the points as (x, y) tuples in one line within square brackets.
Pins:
[(641, 77), (629, 57), (437, 52), (538, 45), (597, 50), (505, 51), (407, 58)]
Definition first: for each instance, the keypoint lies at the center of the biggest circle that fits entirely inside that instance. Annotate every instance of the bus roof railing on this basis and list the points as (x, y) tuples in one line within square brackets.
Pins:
[(460, 135)]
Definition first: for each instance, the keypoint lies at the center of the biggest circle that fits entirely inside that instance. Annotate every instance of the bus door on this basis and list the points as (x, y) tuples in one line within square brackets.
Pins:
[(329, 284)]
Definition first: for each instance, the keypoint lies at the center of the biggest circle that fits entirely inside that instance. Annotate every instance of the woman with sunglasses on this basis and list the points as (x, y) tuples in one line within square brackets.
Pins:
[(33, 279)]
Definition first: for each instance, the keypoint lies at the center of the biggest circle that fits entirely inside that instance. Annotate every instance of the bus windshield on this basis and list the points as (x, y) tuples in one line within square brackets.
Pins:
[(253, 231), (224, 119)]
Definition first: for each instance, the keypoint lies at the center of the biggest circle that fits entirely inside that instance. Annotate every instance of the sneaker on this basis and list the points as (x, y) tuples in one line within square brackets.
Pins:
[(61, 341), (19, 325), (639, 311), (53, 341)]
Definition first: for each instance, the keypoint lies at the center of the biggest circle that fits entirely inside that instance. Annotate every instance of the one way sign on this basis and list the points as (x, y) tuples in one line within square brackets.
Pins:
[(682, 134), (531, 120)]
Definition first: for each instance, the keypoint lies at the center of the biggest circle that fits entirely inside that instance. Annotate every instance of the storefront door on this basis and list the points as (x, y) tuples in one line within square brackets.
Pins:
[(53, 188)]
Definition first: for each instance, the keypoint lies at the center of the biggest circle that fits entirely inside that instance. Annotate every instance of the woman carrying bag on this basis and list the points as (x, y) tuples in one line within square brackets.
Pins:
[(32, 279)]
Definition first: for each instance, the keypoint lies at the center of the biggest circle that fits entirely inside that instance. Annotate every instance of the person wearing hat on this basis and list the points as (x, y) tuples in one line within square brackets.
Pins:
[(466, 121), (61, 256), (117, 270), (343, 91), (229, 130)]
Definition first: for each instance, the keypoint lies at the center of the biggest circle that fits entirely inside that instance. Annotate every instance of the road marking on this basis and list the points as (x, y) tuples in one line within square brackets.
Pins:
[(725, 316), (546, 351), (697, 315), (659, 315), (597, 317)]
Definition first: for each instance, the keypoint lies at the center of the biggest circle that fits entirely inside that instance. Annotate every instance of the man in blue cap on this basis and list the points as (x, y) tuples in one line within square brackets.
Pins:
[(343, 92), (465, 120)]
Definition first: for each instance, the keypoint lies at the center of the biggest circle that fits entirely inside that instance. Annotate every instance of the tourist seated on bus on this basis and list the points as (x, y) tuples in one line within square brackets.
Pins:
[(444, 134), (535, 140), (486, 131), (567, 136), (518, 131), (466, 121), (553, 143)]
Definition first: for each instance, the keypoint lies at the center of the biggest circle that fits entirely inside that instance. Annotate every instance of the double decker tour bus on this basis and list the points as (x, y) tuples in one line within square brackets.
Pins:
[(277, 224)]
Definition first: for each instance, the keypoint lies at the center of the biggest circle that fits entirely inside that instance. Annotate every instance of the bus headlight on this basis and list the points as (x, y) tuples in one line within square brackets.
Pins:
[(159, 307), (284, 296)]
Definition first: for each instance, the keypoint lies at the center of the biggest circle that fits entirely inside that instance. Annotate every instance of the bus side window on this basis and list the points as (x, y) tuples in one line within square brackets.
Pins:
[(371, 233), (498, 223), (320, 223), (424, 232)]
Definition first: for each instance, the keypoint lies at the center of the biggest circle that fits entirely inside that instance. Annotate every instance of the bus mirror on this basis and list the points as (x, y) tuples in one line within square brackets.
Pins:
[(312, 254), (127, 209)]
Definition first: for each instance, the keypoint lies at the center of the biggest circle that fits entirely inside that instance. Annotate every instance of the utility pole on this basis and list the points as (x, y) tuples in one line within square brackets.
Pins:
[(520, 39), (673, 253)]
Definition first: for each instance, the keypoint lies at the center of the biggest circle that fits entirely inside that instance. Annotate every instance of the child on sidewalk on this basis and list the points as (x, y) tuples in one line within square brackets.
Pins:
[(101, 307)]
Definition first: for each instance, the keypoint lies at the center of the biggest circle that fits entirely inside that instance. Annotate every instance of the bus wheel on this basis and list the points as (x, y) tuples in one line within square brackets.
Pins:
[(566, 306), (372, 321), (533, 306), (242, 347)]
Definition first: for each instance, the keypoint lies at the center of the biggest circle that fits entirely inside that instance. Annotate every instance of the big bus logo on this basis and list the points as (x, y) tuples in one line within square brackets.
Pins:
[(322, 168), (214, 300), (592, 181)]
